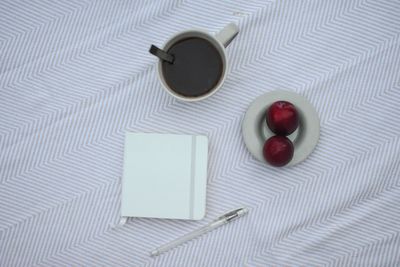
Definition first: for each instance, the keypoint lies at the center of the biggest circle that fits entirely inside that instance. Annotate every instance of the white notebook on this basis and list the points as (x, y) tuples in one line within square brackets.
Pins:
[(165, 176)]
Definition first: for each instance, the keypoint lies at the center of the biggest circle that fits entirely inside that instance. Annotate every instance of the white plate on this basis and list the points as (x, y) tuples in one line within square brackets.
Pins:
[(255, 130)]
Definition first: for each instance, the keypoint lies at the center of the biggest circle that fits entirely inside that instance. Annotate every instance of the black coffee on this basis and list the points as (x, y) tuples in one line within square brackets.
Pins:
[(197, 67)]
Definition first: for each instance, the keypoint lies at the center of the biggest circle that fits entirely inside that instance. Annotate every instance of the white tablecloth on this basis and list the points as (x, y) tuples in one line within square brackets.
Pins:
[(76, 75)]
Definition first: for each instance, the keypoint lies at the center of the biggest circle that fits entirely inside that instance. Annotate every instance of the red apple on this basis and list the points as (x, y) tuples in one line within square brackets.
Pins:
[(282, 118), (278, 150)]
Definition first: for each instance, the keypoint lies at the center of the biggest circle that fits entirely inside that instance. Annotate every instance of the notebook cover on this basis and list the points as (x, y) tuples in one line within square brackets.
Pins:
[(165, 176)]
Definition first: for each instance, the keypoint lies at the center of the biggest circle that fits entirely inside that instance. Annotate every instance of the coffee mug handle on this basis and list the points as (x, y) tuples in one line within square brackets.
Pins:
[(227, 34)]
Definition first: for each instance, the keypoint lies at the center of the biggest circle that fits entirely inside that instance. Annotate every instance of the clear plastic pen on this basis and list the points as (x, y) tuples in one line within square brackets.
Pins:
[(224, 219)]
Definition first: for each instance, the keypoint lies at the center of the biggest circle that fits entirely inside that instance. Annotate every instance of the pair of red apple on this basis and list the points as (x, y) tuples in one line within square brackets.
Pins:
[(282, 119)]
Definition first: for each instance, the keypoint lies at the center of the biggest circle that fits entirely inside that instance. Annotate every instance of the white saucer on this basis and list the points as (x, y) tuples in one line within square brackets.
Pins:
[(255, 130)]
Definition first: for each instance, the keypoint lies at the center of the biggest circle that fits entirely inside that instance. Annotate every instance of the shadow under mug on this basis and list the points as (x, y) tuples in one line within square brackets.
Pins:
[(220, 41)]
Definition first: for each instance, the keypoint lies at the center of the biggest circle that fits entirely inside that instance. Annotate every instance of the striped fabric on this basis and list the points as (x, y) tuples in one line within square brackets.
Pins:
[(76, 75)]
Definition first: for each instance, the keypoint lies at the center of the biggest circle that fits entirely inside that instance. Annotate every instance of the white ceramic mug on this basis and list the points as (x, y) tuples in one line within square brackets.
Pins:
[(220, 41)]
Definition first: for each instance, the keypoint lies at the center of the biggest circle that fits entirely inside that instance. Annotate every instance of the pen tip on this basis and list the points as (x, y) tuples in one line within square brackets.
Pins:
[(245, 210), (154, 253)]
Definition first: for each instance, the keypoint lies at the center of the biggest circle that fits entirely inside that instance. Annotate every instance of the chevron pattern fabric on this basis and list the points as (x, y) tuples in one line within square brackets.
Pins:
[(76, 75)]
